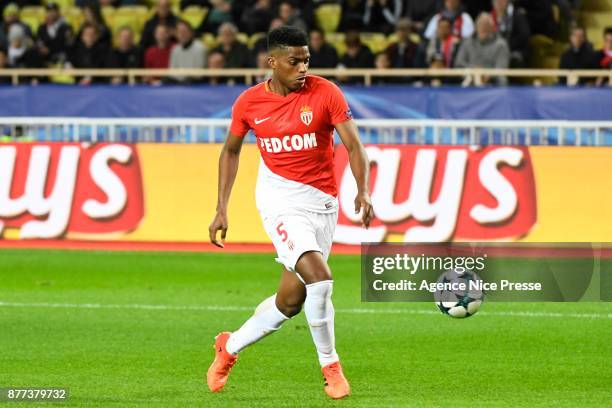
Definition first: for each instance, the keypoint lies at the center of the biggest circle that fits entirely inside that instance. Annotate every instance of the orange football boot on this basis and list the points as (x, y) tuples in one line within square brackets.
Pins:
[(336, 385), (219, 370)]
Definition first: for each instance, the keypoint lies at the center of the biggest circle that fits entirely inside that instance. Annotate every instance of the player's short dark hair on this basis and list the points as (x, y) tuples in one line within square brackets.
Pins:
[(608, 31), (286, 36)]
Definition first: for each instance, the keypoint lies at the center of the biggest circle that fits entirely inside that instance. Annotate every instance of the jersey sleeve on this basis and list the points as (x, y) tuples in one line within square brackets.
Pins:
[(339, 110), (239, 125)]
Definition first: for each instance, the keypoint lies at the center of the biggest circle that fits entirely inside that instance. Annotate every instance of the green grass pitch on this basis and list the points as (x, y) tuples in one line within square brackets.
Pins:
[(125, 329)]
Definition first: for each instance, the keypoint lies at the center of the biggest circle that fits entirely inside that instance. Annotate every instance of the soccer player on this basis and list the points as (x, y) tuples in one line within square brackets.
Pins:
[(293, 116)]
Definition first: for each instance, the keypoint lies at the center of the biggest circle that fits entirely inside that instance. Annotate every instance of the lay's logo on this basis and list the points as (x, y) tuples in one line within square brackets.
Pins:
[(52, 190), (441, 193)]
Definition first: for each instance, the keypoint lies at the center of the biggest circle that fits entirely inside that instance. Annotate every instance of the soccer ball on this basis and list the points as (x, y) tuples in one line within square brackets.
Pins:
[(457, 302)]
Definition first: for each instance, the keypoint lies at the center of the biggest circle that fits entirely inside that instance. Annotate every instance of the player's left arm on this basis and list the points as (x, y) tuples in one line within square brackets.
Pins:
[(360, 166)]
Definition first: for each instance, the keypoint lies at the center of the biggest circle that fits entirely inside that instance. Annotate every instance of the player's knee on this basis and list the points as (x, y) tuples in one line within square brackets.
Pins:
[(312, 268), (316, 275), (320, 275), (289, 307)]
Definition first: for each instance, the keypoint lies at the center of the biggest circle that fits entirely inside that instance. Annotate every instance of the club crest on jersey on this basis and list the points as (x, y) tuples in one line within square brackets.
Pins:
[(306, 115)]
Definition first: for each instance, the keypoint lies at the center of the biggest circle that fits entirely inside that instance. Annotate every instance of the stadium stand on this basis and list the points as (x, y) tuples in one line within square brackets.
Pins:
[(194, 15), (596, 15), (33, 16), (328, 17), (544, 46)]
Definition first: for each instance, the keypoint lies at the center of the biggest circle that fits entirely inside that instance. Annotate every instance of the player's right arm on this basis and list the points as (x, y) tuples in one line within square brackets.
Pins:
[(228, 168)]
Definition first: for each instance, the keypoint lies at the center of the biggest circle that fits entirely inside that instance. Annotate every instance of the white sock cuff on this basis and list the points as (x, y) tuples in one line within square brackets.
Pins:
[(272, 320), (254, 329), (327, 282), (322, 289), (281, 317), (265, 305)]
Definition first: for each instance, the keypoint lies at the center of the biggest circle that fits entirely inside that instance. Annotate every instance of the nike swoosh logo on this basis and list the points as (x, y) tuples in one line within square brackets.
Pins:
[(258, 121)]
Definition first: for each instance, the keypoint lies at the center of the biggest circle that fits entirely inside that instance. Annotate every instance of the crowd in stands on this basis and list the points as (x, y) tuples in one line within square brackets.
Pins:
[(417, 34)]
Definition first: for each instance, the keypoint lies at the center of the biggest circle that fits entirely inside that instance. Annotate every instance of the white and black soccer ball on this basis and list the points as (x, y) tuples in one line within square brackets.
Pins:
[(459, 303)]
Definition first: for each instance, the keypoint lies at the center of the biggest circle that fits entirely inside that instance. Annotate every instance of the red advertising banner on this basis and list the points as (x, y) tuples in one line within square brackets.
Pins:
[(50, 189), (167, 193), (433, 194)]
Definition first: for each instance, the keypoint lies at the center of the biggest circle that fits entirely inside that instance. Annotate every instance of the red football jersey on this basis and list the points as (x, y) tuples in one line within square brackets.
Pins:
[(295, 135)]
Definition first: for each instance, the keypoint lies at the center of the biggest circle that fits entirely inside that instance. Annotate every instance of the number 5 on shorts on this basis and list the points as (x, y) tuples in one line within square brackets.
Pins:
[(281, 232)]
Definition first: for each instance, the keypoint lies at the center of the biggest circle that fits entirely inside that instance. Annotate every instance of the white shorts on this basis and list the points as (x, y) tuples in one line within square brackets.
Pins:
[(294, 232)]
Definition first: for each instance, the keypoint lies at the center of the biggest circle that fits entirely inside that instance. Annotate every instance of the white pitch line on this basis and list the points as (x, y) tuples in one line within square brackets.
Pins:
[(219, 308)]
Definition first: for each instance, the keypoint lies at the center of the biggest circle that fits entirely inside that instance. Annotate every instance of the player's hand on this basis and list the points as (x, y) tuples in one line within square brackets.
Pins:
[(218, 223), (363, 202)]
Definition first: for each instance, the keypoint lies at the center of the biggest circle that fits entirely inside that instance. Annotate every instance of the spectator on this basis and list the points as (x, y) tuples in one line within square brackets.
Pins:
[(93, 15), (402, 53), (603, 58), (357, 55), (54, 37), (89, 53), (437, 62), (257, 18), (158, 56), (442, 50), (188, 53), (10, 17), (485, 50), (463, 25), (420, 11), (236, 54), (511, 24), (163, 15), (579, 55), (382, 15), (127, 55), (352, 15), (540, 16), (291, 16), (21, 51), (216, 60), (382, 62), (220, 12), (322, 55)]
